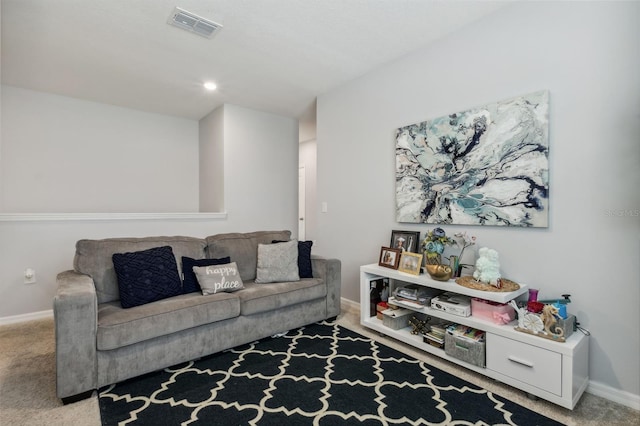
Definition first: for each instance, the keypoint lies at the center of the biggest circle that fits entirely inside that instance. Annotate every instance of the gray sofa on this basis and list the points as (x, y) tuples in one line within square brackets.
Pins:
[(100, 343)]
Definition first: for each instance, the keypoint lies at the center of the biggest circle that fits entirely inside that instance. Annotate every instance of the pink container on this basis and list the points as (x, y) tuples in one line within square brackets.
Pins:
[(498, 313)]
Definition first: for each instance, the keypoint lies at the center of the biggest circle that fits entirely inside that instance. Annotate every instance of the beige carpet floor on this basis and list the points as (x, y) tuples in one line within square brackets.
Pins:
[(27, 383)]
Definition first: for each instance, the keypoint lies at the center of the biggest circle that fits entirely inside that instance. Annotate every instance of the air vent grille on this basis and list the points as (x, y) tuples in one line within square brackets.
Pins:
[(193, 23)]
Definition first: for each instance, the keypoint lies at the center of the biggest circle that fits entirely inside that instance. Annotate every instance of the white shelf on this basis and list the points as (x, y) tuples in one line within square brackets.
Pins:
[(504, 330), (404, 335), (570, 358), (427, 281)]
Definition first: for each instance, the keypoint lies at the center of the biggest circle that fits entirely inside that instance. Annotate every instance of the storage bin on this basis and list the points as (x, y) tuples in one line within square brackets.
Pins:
[(567, 325), (498, 313), (396, 318), (465, 348)]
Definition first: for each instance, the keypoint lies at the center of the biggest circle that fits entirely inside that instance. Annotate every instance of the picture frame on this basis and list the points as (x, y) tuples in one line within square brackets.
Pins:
[(405, 240), (389, 257), (410, 263)]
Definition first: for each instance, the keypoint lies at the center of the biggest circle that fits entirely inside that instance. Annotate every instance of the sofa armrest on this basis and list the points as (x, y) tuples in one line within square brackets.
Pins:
[(75, 310), (331, 271)]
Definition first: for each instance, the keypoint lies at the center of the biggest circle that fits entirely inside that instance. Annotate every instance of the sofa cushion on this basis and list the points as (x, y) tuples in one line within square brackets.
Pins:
[(189, 280), (218, 278), (277, 262), (93, 257), (118, 327), (146, 276), (256, 298), (243, 248), (304, 259), (305, 270)]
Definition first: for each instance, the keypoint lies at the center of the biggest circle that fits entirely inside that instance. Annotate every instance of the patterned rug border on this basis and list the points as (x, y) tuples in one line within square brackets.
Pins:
[(297, 379)]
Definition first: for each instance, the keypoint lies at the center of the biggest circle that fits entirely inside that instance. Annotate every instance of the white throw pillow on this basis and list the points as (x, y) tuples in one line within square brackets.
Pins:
[(218, 278), (277, 262)]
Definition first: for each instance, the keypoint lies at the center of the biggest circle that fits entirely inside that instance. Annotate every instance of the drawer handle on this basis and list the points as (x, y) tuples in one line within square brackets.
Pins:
[(520, 361)]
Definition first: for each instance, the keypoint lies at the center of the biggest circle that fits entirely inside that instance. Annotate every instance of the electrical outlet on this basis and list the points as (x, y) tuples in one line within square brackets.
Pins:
[(29, 276)]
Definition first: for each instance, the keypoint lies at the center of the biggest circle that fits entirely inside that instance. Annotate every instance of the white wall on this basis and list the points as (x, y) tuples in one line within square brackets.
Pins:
[(211, 158), (586, 55), (307, 123), (260, 193), (1, 182), (261, 169), (61, 154), (308, 159)]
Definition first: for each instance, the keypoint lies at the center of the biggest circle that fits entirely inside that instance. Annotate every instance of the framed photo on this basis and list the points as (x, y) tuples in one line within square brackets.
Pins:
[(405, 240), (410, 263), (389, 257)]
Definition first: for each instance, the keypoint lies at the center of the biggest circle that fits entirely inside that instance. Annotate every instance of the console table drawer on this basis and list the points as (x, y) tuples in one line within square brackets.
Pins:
[(529, 364)]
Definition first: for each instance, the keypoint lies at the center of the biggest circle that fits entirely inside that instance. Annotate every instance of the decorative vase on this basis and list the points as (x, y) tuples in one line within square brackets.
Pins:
[(454, 262), (432, 258), (439, 272)]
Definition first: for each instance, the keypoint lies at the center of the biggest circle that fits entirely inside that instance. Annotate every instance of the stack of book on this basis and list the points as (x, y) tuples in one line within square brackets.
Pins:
[(435, 336)]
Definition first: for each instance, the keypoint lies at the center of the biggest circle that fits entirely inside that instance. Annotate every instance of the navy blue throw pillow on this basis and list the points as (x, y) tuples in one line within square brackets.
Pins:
[(189, 279), (146, 276), (304, 258)]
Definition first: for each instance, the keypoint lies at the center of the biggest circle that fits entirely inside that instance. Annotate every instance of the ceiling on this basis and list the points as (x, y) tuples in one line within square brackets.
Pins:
[(271, 55)]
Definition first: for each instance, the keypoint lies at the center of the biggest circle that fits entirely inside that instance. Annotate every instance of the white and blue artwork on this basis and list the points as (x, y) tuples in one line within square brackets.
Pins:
[(483, 166)]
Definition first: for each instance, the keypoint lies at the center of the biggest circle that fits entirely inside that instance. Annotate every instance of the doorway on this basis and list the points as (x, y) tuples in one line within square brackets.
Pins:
[(301, 203)]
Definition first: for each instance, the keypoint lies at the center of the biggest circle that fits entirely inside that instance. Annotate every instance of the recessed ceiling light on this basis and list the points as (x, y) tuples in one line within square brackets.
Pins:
[(209, 85)]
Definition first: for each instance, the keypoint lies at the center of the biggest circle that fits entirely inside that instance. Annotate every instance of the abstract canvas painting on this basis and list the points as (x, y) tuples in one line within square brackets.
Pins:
[(483, 166)]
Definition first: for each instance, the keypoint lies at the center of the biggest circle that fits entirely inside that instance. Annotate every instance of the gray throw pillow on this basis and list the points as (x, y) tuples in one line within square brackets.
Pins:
[(277, 262), (218, 278)]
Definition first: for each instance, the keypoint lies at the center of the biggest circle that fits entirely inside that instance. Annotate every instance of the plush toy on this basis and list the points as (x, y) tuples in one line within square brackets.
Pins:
[(487, 267)]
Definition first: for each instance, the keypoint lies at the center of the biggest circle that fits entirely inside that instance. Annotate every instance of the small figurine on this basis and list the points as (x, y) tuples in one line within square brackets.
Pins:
[(527, 321), (488, 267), (549, 313)]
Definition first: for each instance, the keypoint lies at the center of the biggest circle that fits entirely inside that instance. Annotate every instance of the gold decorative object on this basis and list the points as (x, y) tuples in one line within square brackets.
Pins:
[(439, 272), (418, 326)]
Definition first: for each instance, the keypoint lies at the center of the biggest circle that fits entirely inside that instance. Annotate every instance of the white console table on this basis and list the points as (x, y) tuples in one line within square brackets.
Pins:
[(555, 371)]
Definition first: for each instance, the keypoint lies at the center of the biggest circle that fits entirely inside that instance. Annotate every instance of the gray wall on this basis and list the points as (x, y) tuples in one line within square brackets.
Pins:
[(586, 55)]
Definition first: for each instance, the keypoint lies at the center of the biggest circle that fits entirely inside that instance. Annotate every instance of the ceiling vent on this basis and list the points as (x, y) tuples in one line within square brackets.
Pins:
[(193, 23)]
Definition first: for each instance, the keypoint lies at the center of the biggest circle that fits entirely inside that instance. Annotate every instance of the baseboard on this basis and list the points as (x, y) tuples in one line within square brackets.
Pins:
[(612, 394), (26, 317), (350, 304)]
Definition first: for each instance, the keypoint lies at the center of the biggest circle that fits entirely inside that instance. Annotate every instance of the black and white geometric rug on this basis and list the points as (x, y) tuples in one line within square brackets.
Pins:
[(321, 374)]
